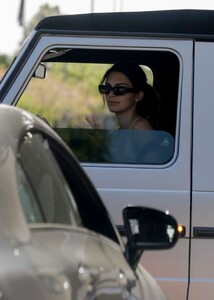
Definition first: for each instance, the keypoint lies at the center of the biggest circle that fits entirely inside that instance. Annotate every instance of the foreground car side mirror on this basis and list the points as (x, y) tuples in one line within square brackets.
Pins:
[(147, 229)]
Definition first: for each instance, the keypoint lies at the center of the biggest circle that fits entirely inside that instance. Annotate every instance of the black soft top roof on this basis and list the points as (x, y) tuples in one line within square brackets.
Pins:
[(186, 23)]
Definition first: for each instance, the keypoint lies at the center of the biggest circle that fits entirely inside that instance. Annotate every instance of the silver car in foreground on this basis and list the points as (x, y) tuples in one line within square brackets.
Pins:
[(56, 238)]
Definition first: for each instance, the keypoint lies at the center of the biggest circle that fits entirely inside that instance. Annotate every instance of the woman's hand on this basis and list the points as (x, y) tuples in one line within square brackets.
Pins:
[(93, 121)]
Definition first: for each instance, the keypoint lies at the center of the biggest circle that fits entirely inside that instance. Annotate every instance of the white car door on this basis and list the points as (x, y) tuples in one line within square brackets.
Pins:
[(202, 233)]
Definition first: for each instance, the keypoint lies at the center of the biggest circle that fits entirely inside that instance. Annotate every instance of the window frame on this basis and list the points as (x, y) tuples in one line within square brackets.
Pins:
[(176, 113)]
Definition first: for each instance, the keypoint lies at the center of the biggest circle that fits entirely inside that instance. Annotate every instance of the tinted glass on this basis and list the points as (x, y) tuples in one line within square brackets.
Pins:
[(42, 185), (119, 146), (28, 199)]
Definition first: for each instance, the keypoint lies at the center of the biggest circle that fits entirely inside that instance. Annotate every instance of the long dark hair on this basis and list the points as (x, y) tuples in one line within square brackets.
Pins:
[(148, 107)]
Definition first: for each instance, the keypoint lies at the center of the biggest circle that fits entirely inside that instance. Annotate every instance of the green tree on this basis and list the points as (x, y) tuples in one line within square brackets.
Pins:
[(44, 11), (5, 60)]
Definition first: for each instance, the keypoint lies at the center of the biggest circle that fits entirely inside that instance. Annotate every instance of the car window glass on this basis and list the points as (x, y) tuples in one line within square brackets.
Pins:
[(28, 199), (69, 93), (47, 189), (119, 146), (93, 213)]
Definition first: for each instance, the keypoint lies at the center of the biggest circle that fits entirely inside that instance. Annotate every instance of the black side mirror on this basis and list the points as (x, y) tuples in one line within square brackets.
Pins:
[(147, 229)]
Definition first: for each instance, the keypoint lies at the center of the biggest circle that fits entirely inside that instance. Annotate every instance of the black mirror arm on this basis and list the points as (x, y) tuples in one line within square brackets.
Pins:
[(133, 255)]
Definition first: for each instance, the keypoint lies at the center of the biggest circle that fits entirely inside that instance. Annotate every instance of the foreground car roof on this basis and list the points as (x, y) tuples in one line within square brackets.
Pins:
[(186, 23)]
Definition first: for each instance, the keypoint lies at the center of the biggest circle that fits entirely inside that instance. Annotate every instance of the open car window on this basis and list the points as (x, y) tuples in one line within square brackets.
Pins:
[(69, 92)]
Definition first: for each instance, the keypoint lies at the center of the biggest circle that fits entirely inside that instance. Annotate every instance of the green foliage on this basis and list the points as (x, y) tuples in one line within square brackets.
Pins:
[(67, 94), (5, 60), (77, 72), (44, 11)]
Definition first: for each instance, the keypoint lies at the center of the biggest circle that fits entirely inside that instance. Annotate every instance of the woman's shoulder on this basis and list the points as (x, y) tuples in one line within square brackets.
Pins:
[(142, 124)]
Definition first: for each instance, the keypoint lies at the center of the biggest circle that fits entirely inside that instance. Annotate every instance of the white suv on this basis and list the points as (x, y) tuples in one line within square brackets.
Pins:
[(176, 50)]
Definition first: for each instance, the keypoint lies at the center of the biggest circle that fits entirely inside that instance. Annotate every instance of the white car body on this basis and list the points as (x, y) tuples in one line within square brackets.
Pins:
[(51, 244)]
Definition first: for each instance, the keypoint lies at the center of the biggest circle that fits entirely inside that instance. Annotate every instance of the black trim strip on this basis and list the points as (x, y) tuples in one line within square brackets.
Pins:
[(203, 232), (121, 229)]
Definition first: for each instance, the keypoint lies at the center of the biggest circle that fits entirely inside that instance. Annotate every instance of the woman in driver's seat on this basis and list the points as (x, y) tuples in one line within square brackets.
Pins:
[(126, 91)]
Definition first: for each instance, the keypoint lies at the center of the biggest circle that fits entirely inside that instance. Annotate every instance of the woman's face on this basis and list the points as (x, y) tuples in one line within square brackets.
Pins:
[(118, 104)]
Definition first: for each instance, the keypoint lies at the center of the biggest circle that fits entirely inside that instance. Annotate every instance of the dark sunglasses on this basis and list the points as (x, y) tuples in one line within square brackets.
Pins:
[(117, 90)]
